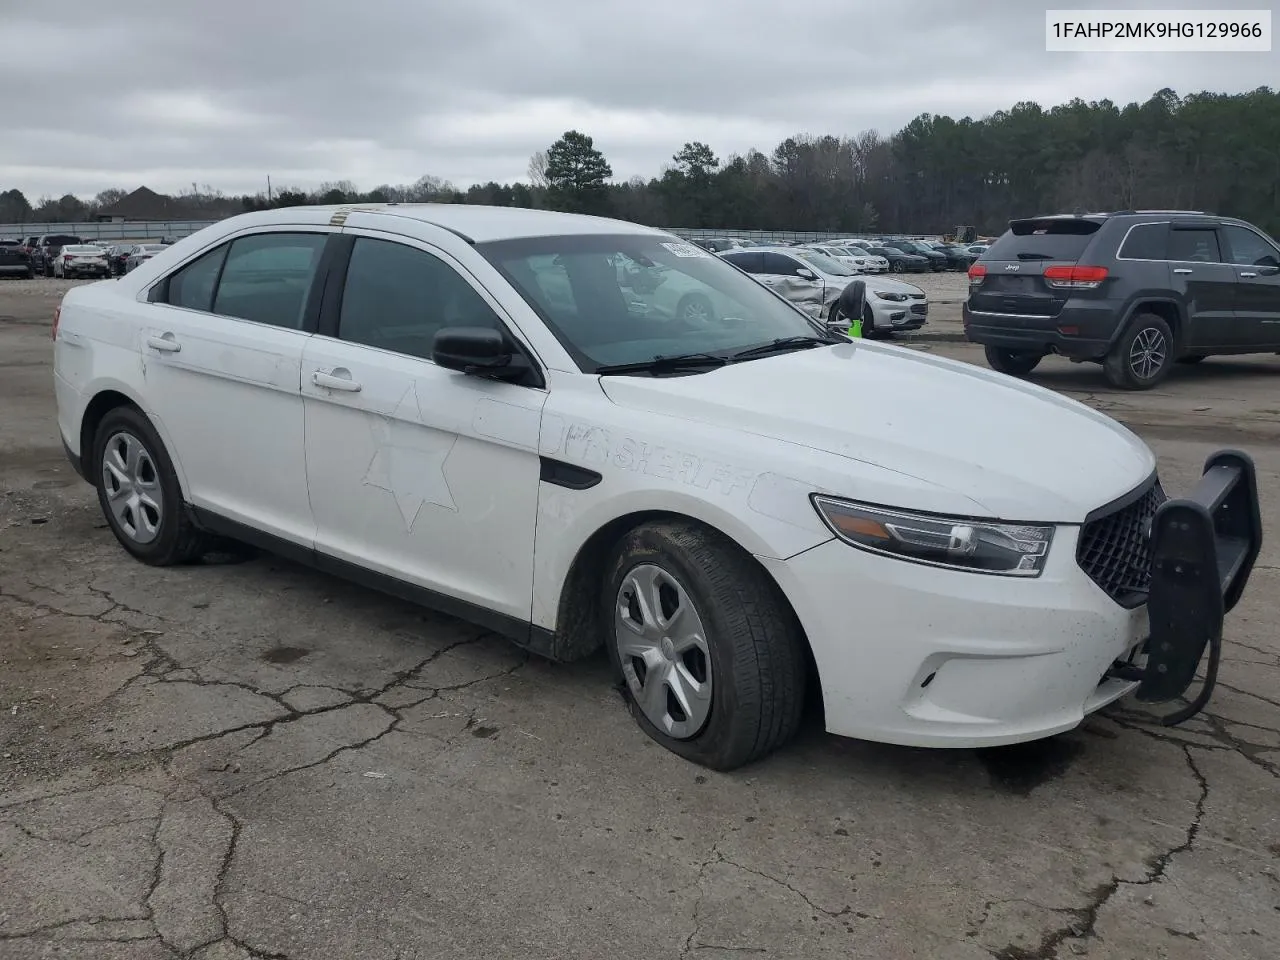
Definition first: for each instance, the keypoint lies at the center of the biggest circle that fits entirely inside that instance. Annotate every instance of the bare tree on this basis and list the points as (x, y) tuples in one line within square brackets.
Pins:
[(538, 168)]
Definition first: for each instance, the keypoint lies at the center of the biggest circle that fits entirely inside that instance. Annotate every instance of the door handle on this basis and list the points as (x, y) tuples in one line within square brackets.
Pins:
[(330, 382), (165, 344), (1247, 273), (1181, 269)]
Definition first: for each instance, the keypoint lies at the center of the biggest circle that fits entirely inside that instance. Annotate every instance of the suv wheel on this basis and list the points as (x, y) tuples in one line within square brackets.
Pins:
[(1144, 355), (1016, 363)]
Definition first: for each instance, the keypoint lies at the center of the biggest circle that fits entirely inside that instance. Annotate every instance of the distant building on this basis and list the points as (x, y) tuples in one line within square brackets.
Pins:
[(145, 204)]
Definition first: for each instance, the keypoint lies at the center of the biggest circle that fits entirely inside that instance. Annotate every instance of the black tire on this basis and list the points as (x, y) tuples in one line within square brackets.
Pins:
[(757, 660), (1193, 359), (1149, 335), (1015, 363), (695, 308), (175, 539)]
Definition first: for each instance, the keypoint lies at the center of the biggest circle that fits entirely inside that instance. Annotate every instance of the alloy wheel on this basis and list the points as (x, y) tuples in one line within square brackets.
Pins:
[(132, 485), (1148, 353)]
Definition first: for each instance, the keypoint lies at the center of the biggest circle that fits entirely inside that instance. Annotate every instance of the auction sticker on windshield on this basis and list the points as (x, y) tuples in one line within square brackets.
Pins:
[(686, 250)]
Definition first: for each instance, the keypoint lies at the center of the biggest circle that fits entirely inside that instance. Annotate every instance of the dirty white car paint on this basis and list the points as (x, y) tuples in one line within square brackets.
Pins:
[(546, 505)]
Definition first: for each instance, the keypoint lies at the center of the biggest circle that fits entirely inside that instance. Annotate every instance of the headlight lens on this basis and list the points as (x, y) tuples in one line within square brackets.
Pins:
[(979, 546), (889, 295)]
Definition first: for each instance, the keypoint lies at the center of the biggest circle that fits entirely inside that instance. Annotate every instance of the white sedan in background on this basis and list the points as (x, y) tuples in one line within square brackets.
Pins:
[(81, 260), (860, 260), (744, 513)]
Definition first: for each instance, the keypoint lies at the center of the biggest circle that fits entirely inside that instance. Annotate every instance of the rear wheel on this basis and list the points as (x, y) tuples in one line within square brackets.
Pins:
[(1143, 357), (139, 491), (1015, 363), (711, 657)]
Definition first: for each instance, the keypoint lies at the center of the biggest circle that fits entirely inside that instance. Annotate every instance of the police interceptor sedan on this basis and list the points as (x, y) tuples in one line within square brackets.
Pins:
[(464, 406)]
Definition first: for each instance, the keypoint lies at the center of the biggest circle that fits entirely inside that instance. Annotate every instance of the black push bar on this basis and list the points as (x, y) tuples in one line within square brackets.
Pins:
[(1203, 548)]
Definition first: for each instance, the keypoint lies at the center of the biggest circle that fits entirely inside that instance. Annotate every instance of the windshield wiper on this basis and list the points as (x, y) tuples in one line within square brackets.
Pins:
[(1034, 256), (661, 364), (784, 343)]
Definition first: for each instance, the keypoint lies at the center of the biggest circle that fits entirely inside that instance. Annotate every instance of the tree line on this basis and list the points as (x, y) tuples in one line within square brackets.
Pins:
[(1204, 151)]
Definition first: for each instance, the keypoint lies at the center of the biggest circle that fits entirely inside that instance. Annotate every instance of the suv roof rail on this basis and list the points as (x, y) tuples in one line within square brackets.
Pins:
[(1194, 213)]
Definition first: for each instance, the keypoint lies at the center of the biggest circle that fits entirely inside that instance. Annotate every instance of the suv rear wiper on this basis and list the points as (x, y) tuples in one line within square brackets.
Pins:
[(1034, 256), (784, 343), (661, 364)]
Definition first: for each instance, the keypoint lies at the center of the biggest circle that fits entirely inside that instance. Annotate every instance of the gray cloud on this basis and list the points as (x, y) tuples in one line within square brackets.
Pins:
[(386, 90)]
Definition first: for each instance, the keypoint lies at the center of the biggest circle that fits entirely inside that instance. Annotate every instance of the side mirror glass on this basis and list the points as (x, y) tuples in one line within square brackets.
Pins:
[(470, 349), (807, 274)]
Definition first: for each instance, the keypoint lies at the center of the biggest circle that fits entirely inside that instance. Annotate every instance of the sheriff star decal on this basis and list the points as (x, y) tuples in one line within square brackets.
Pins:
[(409, 460)]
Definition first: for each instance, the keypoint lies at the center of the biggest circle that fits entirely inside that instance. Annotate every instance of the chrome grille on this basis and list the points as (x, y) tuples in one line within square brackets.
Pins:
[(1115, 549)]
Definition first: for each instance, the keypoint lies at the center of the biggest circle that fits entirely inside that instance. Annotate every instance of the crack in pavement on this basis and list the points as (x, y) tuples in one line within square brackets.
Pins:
[(1084, 924)]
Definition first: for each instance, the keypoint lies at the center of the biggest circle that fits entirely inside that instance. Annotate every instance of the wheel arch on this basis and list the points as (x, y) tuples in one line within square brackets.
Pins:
[(112, 397), (577, 632), (1168, 310)]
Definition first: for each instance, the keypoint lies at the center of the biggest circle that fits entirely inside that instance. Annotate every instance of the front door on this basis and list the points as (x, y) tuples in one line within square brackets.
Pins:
[(416, 472), (222, 357)]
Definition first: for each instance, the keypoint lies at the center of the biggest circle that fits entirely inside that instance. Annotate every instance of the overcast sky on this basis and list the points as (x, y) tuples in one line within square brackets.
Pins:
[(165, 93)]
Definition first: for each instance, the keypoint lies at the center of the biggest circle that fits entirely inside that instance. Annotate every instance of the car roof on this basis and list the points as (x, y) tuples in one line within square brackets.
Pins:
[(482, 224)]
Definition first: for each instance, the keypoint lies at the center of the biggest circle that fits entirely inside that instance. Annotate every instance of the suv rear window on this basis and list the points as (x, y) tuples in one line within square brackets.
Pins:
[(1047, 239)]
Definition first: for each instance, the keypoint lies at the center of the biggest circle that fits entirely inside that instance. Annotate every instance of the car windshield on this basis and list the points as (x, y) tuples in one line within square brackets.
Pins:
[(824, 263), (616, 299)]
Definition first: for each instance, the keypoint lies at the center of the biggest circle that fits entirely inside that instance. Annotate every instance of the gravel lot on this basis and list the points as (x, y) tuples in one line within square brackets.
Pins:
[(247, 759)]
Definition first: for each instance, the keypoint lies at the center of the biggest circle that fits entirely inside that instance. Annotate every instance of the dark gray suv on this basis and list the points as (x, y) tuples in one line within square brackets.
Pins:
[(1135, 291)]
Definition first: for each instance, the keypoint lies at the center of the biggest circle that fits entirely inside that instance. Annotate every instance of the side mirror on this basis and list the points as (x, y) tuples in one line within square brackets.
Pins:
[(807, 274), (470, 349)]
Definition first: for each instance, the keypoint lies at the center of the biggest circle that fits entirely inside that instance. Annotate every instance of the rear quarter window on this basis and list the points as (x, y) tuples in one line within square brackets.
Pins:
[(1048, 239), (1146, 241)]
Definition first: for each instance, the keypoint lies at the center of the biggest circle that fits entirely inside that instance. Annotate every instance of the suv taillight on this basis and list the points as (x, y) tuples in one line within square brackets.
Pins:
[(1075, 278), (977, 273), (57, 315)]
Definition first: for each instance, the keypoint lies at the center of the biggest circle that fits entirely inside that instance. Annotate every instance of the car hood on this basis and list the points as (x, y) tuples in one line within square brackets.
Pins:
[(1005, 448), (889, 285)]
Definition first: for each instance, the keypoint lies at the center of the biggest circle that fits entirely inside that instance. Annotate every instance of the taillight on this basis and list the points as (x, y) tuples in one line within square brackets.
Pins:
[(977, 273), (1075, 278), (57, 315)]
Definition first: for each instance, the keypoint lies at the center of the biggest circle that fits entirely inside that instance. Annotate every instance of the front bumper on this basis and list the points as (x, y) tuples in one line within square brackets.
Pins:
[(923, 656)]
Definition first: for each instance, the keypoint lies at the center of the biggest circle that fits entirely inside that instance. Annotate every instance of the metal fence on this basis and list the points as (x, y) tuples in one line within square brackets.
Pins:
[(136, 230), (155, 230)]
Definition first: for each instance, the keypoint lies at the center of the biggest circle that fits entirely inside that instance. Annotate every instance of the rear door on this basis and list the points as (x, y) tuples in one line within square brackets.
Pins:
[(222, 356), (1256, 261), (1206, 284), (1015, 285)]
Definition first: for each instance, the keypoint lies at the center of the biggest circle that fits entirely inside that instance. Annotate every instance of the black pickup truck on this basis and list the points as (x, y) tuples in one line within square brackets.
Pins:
[(47, 249)]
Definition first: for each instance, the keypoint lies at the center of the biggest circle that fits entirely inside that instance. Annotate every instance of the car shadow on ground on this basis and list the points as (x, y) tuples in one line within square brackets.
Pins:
[(1063, 375)]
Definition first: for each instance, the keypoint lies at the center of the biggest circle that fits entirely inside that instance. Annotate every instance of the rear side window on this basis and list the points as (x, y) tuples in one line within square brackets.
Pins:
[(192, 286), (1047, 239), (1146, 241), (267, 277), (1194, 246)]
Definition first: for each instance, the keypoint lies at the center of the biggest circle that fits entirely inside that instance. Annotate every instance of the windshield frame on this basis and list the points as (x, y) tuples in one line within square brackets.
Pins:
[(495, 252)]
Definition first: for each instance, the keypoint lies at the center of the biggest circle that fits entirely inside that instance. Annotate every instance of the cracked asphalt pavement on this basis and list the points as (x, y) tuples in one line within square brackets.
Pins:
[(247, 759)]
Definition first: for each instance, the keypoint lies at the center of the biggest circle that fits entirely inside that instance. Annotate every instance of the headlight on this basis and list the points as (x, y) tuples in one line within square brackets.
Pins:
[(895, 297), (979, 546)]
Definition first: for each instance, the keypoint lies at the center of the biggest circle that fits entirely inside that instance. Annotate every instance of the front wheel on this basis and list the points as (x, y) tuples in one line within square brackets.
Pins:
[(139, 493), (711, 656), (1143, 357), (1015, 363)]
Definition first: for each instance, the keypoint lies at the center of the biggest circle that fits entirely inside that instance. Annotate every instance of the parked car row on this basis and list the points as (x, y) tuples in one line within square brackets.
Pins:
[(872, 254), (68, 256)]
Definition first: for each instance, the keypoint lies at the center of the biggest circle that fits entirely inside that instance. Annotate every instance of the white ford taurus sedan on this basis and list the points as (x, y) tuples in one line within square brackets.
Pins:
[(463, 406)]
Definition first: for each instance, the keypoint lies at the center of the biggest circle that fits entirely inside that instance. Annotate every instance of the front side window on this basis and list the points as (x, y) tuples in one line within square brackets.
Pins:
[(267, 277), (1250, 249), (780, 265), (397, 297), (628, 298), (826, 264)]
